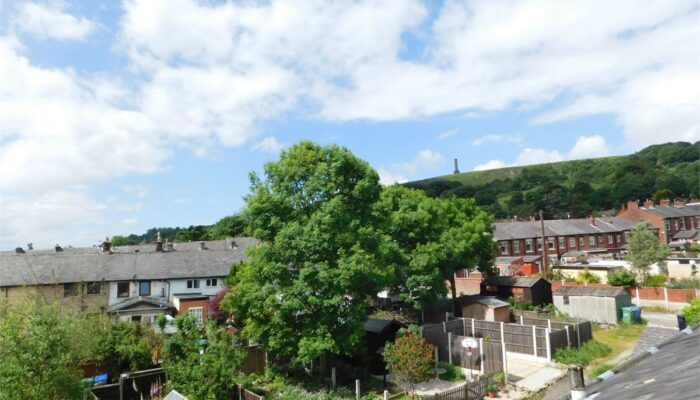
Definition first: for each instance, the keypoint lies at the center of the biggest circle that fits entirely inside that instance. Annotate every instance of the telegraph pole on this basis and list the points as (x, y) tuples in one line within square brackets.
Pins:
[(545, 260)]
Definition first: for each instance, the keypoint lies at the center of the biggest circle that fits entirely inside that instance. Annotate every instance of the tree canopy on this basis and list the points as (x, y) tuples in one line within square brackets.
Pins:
[(645, 250)]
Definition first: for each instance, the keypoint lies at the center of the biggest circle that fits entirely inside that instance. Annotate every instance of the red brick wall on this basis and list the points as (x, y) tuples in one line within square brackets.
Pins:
[(187, 304), (634, 213)]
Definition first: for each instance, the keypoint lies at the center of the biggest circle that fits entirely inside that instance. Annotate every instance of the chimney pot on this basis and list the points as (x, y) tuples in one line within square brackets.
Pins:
[(159, 243), (648, 203), (107, 246), (665, 202), (202, 246)]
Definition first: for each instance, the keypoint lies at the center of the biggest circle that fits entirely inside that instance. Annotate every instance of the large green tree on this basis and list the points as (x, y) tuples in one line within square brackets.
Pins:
[(303, 292), (645, 250)]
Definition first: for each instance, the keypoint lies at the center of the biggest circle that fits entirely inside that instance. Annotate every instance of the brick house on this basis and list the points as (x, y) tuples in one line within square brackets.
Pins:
[(669, 218), (605, 235)]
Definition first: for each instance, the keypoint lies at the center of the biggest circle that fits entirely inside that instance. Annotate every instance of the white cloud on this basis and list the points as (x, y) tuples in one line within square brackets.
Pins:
[(129, 207), (52, 22), (269, 145), (130, 221), (589, 147), (447, 134), (387, 178), (425, 160), (139, 190), (491, 164), (495, 138), (537, 156)]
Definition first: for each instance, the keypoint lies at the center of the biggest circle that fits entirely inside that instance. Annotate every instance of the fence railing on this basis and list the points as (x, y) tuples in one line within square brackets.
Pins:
[(468, 391), (245, 394)]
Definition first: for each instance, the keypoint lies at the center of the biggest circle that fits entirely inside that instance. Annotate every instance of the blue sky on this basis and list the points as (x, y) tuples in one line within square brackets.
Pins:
[(120, 116)]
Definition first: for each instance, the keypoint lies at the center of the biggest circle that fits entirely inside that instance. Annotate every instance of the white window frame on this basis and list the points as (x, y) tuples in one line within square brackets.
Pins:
[(193, 284), (611, 238), (516, 247), (197, 313), (212, 282), (562, 242), (591, 240), (572, 242), (528, 245), (682, 223), (504, 247)]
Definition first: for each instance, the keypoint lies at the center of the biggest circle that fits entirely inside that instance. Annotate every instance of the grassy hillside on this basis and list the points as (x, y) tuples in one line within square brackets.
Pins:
[(577, 188)]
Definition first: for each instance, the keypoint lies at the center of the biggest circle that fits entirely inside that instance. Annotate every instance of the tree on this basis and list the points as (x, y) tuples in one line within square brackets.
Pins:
[(38, 361), (645, 250), (410, 359), (692, 313), (126, 346), (203, 364), (229, 226), (195, 233), (621, 277), (118, 240), (303, 292)]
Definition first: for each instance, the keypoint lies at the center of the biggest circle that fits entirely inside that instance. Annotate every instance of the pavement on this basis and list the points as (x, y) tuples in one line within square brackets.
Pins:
[(531, 377), (664, 320), (652, 336)]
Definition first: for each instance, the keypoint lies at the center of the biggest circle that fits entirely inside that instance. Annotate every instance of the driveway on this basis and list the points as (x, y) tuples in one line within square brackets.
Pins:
[(663, 320)]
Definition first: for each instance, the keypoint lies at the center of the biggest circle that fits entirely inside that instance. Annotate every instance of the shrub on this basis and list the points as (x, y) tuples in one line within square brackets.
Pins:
[(410, 358), (587, 277), (692, 312), (452, 373), (499, 378), (583, 356), (622, 277), (686, 283), (655, 281)]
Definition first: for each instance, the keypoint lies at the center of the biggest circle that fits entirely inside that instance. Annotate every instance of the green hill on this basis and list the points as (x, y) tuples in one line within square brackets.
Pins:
[(577, 188)]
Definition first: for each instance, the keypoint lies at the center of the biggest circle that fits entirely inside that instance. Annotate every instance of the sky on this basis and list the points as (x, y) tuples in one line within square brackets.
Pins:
[(120, 116)]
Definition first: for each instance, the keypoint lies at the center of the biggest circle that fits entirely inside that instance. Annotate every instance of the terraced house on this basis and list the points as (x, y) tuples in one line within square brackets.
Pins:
[(563, 238), (134, 283), (674, 220)]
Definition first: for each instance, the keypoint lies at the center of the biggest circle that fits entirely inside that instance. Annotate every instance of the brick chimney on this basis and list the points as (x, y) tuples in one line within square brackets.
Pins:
[(202, 246), (159, 243), (632, 205), (591, 219), (648, 203), (665, 202), (107, 246), (676, 202)]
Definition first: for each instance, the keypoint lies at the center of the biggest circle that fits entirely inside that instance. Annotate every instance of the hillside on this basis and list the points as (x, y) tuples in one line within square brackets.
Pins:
[(577, 188)]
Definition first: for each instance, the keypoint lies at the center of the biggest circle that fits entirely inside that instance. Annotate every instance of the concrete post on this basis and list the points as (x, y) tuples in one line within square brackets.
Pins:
[(481, 356), (521, 320), (386, 395), (534, 340), (437, 357), (447, 316), (464, 327), (333, 377), (473, 328), (357, 389), (444, 328), (505, 361), (578, 388), (548, 343), (549, 324), (666, 297), (568, 338), (449, 347), (503, 337)]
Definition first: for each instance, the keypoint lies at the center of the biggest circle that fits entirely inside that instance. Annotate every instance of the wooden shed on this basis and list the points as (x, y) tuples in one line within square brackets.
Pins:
[(486, 308), (377, 333), (593, 303), (535, 290)]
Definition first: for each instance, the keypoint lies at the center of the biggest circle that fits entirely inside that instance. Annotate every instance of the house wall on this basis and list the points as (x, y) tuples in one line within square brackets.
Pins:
[(574, 273), (158, 289), (592, 308), (179, 286), (185, 305), (601, 243), (54, 294)]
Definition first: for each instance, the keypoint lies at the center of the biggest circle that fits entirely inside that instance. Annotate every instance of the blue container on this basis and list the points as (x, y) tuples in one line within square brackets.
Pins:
[(637, 314)]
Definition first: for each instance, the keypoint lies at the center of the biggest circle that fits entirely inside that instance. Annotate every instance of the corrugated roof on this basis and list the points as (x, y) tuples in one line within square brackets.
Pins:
[(64, 267), (511, 281), (560, 227), (488, 301), (589, 291)]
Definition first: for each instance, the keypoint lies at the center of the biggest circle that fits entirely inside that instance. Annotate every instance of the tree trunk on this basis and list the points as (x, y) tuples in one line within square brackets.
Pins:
[(453, 288)]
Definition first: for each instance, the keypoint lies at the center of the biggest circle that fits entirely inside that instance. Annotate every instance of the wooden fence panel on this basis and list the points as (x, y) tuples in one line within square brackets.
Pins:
[(585, 331), (492, 358), (468, 391), (557, 340), (518, 338), (434, 335)]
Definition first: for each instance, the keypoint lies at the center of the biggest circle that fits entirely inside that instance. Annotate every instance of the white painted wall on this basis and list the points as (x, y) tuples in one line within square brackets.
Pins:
[(158, 289), (179, 286)]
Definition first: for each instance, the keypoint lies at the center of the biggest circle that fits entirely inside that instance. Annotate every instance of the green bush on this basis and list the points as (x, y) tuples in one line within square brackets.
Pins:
[(452, 373), (686, 283), (586, 276), (655, 281), (621, 277), (583, 355), (692, 312)]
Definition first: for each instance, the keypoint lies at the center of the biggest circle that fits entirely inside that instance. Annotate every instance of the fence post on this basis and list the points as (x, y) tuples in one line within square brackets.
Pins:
[(437, 358), (534, 340), (447, 316), (473, 328), (357, 389), (386, 395), (568, 338), (503, 337), (333, 376), (549, 343), (481, 356), (444, 328), (521, 320), (549, 324), (578, 335), (639, 299), (505, 361), (666, 296), (449, 347), (464, 326)]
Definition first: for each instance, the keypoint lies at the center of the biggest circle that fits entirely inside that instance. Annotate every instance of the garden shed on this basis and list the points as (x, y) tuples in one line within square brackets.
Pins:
[(593, 303), (485, 308), (535, 290)]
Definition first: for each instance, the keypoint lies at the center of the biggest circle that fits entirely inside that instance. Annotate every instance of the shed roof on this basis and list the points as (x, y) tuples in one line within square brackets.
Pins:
[(488, 301), (507, 260), (530, 259), (377, 325), (670, 373), (66, 267), (511, 281), (590, 291), (572, 253)]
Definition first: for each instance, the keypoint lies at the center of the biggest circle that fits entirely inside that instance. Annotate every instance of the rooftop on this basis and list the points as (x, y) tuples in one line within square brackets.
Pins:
[(590, 291), (672, 211), (511, 281), (560, 227)]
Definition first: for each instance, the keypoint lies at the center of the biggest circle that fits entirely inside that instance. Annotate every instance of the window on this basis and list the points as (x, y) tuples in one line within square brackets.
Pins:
[(136, 318), (93, 288), (516, 247), (528, 245), (193, 284), (572, 242), (675, 224), (504, 247), (123, 289), (197, 313), (580, 241), (70, 289), (551, 243), (145, 288), (697, 222), (600, 238), (627, 236), (610, 238), (618, 237), (566, 300), (591, 240), (539, 244), (562, 243), (212, 282), (682, 223), (667, 225)]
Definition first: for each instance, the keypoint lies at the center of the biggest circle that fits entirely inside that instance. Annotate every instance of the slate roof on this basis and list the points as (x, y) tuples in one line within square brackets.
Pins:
[(590, 291), (688, 210), (560, 227), (590, 266), (687, 234), (510, 281), (34, 268), (670, 373), (507, 260)]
